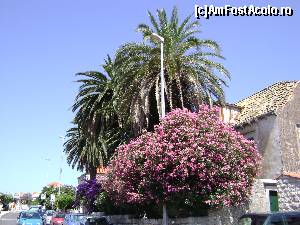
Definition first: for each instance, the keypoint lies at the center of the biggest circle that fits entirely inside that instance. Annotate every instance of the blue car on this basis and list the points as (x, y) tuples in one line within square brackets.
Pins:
[(74, 218), (29, 218)]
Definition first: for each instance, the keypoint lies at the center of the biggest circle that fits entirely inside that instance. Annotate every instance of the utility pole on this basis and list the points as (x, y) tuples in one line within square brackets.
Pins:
[(61, 162), (162, 78), (162, 100), (47, 170)]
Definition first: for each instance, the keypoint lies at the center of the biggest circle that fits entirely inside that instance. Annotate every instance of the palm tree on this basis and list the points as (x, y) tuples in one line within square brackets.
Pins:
[(79, 153), (98, 129), (190, 71)]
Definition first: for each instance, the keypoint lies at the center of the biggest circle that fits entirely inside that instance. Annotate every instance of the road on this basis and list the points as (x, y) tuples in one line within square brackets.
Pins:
[(9, 219)]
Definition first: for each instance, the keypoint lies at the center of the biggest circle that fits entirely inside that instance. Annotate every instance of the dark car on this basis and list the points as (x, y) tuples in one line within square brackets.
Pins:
[(276, 218), (95, 220), (5, 207)]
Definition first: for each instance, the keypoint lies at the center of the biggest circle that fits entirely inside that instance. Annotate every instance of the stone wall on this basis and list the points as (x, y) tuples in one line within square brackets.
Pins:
[(288, 117), (258, 200), (266, 134), (226, 216), (289, 193)]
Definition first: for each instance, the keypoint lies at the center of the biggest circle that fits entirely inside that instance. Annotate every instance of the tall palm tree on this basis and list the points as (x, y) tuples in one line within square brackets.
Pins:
[(98, 129), (191, 69)]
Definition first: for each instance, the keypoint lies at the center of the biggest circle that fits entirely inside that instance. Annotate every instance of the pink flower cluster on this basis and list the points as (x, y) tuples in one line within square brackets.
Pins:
[(188, 154)]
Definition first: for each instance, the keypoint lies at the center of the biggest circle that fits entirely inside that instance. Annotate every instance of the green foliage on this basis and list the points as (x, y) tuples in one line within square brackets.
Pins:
[(97, 128), (6, 198), (66, 190), (104, 203), (178, 208), (34, 202), (64, 201), (191, 69)]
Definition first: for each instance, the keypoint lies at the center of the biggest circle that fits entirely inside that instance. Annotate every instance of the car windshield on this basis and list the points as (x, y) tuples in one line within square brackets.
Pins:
[(30, 215), (35, 209), (49, 213), (252, 220)]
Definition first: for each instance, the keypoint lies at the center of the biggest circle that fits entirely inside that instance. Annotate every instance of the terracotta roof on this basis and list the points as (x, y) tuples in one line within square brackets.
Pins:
[(291, 174), (54, 184), (266, 101)]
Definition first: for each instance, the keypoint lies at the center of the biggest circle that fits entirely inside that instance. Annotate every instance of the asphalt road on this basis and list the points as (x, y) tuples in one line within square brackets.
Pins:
[(9, 219)]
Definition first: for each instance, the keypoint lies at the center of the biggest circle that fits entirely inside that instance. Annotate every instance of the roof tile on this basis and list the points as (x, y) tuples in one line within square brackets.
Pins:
[(266, 101)]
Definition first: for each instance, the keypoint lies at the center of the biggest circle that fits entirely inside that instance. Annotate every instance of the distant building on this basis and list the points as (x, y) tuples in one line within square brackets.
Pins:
[(54, 184), (35, 195)]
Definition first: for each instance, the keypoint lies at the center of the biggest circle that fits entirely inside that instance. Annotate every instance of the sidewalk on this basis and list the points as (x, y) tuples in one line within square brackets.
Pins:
[(2, 213)]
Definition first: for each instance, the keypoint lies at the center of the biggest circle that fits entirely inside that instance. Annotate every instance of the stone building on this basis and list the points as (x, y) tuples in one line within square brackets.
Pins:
[(271, 117)]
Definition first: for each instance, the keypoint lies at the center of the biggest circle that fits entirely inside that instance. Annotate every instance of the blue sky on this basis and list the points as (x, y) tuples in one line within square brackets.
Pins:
[(44, 43)]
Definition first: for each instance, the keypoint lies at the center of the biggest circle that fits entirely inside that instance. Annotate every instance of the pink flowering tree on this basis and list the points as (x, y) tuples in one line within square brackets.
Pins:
[(188, 154)]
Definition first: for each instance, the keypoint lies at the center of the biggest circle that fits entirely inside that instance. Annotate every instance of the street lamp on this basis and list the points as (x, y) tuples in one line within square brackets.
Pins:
[(47, 172), (162, 80), (162, 98), (61, 162)]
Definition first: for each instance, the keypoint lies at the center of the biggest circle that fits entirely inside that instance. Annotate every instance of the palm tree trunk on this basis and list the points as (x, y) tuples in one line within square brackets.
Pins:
[(209, 99), (92, 172), (171, 96), (180, 91)]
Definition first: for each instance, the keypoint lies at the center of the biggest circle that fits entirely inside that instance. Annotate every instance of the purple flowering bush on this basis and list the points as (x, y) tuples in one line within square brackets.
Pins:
[(87, 193), (188, 155)]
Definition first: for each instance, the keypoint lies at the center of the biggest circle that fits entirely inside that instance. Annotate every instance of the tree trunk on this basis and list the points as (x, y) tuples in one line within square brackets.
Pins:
[(171, 96), (165, 214), (92, 172), (180, 91)]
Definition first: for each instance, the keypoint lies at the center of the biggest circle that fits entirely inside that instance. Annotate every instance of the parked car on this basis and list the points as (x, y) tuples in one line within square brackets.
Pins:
[(95, 220), (5, 207), (74, 218), (278, 218), (29, 218), (37, 209), (58, 218), (24, 207), (47, 217)]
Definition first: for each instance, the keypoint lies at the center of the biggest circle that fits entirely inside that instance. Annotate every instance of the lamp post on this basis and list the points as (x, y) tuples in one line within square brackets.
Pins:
[(162, 100), (162, 79), (61, 162), (47, 173)]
